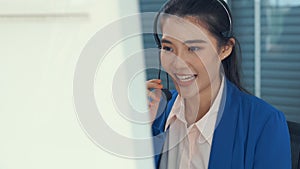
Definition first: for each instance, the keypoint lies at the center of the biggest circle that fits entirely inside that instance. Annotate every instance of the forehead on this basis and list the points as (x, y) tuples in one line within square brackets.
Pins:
[(183, 29)]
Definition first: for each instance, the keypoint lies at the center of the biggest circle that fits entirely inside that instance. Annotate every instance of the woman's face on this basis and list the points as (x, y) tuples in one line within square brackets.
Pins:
[(190, 55)]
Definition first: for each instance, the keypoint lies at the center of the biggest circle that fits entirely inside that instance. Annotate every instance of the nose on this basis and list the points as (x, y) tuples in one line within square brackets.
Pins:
[(179, 61)]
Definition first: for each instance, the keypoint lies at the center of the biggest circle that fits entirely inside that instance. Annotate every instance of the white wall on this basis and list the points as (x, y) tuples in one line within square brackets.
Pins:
[(40, 44)]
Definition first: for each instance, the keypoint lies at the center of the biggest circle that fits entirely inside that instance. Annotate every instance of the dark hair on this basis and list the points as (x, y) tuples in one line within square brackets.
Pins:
[(217, 19)]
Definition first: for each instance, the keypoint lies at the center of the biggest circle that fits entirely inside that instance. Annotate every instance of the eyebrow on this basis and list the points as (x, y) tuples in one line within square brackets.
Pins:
[(195, 41), (166, 41), (186, 42)]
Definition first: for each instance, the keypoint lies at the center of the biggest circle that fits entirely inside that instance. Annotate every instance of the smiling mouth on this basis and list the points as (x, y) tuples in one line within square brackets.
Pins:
[(184, 78)]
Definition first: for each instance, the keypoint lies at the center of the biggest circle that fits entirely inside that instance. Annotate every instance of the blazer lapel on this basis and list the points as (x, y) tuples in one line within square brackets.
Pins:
[(224, 135)]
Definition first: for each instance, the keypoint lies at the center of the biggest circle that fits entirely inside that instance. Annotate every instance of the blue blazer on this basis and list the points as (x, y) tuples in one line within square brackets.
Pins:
[(251, 134)]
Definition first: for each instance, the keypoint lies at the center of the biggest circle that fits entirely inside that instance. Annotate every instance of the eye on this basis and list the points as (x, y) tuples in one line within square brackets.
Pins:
[(194, 48), (167, 49)]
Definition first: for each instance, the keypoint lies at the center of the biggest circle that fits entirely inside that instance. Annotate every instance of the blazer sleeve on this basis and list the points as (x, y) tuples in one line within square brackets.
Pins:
[(273, 147)]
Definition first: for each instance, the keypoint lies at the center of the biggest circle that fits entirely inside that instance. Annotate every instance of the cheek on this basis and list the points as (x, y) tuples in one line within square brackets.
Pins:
[(166, 62), (207, 64), (209, 57), (211, 66)]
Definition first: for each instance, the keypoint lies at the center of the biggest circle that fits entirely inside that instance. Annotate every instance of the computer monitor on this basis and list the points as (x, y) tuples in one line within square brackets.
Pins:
[(110, 93)]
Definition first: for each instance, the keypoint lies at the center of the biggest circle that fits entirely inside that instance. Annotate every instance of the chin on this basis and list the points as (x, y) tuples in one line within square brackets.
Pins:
[(187, 92)]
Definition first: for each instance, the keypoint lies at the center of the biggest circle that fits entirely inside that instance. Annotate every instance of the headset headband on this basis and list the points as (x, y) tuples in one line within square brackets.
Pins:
[(225, 34)]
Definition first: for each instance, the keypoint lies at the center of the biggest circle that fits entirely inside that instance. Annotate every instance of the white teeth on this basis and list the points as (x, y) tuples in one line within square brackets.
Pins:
[(185, 78)]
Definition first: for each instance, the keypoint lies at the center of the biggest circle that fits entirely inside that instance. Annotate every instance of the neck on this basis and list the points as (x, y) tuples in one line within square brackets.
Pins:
[(197, 106)]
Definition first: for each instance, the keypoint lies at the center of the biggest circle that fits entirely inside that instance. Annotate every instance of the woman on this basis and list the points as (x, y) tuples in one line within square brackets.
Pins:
[(211, 121)]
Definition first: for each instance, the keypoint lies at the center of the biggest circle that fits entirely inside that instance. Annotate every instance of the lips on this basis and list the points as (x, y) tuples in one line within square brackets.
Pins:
[(185, 79)]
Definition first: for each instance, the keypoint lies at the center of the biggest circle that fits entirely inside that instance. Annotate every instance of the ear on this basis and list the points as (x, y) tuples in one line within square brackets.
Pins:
[(227, 49)]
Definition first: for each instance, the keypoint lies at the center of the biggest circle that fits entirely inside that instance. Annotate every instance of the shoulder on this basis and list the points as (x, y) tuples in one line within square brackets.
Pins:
[(254, 115), (260, 109), (251, 105)]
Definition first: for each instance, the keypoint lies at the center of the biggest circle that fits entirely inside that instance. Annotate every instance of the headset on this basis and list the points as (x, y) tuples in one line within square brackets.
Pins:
[(227, 34)]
